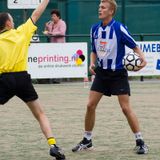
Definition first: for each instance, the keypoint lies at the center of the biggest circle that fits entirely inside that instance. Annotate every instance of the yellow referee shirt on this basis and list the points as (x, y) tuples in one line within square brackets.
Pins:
[(14, 46)]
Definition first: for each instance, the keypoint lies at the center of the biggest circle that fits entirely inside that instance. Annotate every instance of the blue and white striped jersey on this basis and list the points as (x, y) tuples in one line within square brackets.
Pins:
[(108, 42)]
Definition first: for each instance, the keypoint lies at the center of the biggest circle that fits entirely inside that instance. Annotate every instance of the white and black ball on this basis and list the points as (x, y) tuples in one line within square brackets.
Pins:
[(131, 61)]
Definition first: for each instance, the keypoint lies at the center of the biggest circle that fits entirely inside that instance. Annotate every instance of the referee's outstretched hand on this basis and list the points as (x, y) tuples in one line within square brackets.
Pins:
[(39, 10)]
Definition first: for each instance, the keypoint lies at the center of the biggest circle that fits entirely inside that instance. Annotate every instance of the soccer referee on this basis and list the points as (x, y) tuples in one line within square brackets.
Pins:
[(14, 79)]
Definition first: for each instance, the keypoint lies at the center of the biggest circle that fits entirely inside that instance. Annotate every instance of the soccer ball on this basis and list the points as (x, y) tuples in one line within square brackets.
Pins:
[(131, 61)]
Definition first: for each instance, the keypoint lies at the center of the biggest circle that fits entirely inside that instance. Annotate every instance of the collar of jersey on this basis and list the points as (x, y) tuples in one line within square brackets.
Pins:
[(109, 24)]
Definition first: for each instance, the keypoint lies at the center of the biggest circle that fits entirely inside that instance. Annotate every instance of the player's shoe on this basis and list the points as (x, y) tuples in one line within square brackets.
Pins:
[(141, 147), (83, 145), (57, 152)]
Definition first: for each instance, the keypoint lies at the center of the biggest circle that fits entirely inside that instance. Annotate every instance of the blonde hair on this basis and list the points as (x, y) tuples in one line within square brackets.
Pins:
[(113, 3)]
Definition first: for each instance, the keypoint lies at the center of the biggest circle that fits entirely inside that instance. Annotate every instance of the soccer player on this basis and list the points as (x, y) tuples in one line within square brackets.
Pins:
[(108, 39), (14, 79)]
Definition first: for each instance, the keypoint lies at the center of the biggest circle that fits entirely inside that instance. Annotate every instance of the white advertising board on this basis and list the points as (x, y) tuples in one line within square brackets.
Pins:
[(58, 60), (23, 4), (69, 60), (151, 50)]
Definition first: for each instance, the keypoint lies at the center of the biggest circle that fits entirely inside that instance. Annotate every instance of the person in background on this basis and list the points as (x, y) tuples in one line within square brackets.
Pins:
[(56, 27), (14, 78), (55, 30), (108, 39)]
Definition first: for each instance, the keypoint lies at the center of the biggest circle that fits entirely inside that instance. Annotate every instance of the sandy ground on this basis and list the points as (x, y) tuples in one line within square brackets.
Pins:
[(65, 104)]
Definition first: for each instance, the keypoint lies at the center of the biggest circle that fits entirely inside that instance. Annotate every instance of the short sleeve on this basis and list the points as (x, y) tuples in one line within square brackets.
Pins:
[(127, 38), (28, 28)]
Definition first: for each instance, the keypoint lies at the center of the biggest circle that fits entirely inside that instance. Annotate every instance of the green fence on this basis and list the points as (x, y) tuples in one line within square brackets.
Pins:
[(141, 16)]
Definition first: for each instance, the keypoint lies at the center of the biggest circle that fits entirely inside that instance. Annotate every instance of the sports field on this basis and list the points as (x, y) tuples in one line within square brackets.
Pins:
[(21, 138)]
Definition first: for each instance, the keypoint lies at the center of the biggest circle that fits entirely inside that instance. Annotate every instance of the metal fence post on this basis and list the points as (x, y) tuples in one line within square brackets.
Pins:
[(141, 39)]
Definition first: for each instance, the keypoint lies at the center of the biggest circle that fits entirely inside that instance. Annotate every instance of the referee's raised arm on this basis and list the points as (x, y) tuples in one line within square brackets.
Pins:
[(39, 10)]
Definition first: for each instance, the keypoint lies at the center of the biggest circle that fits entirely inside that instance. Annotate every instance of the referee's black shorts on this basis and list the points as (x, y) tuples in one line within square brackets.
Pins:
[(111, 82), (16, 83)]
